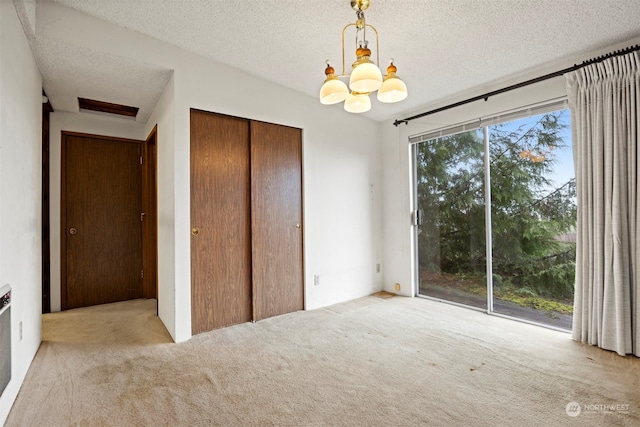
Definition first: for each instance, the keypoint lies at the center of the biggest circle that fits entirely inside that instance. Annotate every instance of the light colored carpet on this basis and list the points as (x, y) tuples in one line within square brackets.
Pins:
[(368, 362)]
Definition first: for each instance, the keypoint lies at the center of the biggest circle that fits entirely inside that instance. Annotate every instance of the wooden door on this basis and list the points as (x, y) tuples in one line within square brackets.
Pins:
[(220, 218), (102, 193), (276, 219)]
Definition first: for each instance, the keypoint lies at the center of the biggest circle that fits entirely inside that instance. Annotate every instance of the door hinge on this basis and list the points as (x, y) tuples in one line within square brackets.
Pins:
[(141, 160), (142, 216), (142, 274)]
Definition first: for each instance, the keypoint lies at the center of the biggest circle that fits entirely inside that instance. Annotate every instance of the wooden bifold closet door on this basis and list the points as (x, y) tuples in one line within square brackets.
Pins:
[(246, 216), (220, 218), (276, 219)]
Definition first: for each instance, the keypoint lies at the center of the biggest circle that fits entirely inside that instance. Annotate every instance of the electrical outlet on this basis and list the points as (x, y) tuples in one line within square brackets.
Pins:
[(20, 330), (378, 268), (396, 286), (316, 280)]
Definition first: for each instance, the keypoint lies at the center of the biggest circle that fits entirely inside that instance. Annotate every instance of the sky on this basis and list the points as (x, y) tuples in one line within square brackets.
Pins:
[(563, 168)]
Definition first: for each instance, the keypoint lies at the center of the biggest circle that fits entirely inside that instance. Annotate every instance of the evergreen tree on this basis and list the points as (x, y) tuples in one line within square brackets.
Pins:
[(529, 216)]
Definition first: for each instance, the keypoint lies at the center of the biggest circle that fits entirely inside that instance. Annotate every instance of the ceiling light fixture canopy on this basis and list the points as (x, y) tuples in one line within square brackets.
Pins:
[(366, 77)]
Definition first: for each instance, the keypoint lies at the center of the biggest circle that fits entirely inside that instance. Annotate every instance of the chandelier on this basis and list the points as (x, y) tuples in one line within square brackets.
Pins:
[(366, 77)]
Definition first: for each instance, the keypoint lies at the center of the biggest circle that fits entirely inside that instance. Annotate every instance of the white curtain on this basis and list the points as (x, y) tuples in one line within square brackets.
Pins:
[(605, 112)]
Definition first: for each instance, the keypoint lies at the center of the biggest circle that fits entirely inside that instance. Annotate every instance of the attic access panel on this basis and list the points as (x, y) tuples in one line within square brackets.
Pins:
[(107, 107)]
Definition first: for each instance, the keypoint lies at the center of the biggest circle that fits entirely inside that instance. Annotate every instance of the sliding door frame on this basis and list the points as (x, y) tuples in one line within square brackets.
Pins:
[(487, 219), (482, 123)]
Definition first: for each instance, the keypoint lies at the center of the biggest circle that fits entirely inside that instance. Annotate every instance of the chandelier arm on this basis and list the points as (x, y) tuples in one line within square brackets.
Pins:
[(377, 44), (355, 44), (343, 30), (364, 26)]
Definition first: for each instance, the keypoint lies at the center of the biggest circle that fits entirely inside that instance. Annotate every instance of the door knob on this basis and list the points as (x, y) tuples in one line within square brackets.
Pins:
[(195, 231), (297, 225), (72, 230)]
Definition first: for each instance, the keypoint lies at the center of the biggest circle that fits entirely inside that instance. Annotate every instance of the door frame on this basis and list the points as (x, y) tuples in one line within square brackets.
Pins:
[(150, 222), (151, 201), (47, 109), (482, 126)]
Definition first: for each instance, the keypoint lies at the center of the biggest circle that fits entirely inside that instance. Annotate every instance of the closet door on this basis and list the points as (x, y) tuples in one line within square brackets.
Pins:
[(276, 219), (220, 218)]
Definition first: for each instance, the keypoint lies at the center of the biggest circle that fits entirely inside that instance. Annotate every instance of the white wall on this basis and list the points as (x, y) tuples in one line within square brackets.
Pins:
[(83, 123), (341, 183), (346, 193), (341, 164), (20, 195)]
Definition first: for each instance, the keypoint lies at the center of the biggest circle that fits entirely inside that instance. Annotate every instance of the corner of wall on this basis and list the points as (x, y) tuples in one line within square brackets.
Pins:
[(397, 229), (164, 117)]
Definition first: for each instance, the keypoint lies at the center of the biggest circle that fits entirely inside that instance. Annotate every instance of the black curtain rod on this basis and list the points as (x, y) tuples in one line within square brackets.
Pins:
[(519, 85)]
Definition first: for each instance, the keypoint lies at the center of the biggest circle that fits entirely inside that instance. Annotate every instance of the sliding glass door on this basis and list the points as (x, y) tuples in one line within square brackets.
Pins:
[(531, 220), (533, 216), (451, 209)]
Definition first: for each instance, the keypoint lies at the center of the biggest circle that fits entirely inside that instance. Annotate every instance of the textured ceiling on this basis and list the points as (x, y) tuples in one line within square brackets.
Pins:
[(442, 48), (70, 72)]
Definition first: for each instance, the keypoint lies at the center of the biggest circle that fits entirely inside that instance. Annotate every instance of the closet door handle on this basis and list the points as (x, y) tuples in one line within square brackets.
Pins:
[(195, 231), (297, 225)]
